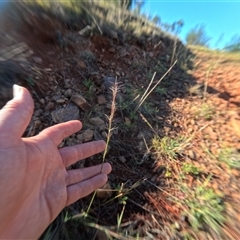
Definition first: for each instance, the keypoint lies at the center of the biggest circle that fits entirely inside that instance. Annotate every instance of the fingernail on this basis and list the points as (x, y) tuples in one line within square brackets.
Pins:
[(17, 91)]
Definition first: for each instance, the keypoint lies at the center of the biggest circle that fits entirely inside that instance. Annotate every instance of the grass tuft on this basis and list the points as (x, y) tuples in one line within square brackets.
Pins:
[(229, 157), (205, 111), (205, 208), (194, 89), (160, 90), (189, 168), (168, 147)]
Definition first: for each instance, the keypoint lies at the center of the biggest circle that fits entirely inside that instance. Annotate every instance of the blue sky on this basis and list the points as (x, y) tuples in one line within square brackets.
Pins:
[(221, 18)]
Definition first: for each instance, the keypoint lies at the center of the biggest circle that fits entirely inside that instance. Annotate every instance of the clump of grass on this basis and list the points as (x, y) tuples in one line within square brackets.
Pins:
[(206, 111), (204, 208), (189, 168), (127, 126), (160, 90), (90, 87), (124, 105), (133, 116), (88, 55), (229, 157), (149, 108), (194, 89), (168, 147)]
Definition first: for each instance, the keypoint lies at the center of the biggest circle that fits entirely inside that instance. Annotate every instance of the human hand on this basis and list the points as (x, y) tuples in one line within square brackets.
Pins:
[(34, 183)]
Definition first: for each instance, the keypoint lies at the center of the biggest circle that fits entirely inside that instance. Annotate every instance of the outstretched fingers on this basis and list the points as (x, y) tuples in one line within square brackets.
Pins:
[(79, 175), (72, 154), (82, 189), (60, 131)]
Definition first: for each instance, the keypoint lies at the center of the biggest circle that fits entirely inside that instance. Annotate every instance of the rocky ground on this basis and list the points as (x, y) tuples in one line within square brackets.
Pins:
[(175, 154)]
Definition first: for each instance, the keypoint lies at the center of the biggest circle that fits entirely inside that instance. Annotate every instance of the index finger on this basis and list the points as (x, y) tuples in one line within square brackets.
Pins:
[(72, 154), (62, 130)]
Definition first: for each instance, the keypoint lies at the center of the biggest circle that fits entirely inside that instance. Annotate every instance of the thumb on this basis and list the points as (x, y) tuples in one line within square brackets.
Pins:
[(15, 115)]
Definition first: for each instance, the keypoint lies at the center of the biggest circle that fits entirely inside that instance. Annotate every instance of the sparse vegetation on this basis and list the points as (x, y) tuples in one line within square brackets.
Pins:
[(231, 57), (160, 90), (189, 168), (168, 147), (205, 208), (90, 87), (230, 157), (161, 174), (87, 55), (194, 89), (205, 111), (234, 45), (198, 36)]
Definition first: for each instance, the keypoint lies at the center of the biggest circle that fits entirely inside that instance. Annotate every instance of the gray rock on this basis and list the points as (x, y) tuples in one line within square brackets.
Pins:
[(81, 102), (122, 159), (42, 101), (49, 106), (72, 142), (104, 135), (101, 99), (87, 135), (102, 127), (68, 93), (71, 112), (37, 60), (60, 100), (109, 32), (97, 121), (38, 113), (56, 97)]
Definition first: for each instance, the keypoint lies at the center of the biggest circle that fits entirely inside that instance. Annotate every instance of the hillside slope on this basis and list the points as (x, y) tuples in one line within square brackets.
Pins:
[(174, 144)]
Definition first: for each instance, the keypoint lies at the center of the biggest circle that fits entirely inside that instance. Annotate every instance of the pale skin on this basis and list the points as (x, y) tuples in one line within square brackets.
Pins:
[(34, 183)]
